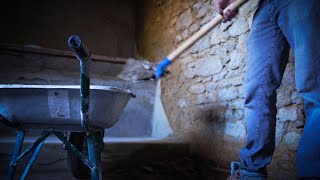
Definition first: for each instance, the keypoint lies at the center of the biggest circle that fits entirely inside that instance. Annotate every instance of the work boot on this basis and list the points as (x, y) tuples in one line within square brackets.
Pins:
[(240, 174)]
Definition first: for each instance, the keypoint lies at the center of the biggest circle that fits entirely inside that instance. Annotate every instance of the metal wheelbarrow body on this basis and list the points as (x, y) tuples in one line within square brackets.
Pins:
[(55, 109)]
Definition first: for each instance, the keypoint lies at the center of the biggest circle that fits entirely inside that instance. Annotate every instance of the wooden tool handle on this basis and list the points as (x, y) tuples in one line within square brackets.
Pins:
[(204, 30)]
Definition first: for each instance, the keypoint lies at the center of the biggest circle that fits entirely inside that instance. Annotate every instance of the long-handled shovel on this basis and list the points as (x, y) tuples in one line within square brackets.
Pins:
[(143, 70)]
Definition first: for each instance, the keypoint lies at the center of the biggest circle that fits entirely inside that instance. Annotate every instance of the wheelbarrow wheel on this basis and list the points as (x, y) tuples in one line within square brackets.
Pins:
[(78, 168)]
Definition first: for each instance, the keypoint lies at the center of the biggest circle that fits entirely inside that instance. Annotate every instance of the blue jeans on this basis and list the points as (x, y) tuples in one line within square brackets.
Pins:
[(277, 26)]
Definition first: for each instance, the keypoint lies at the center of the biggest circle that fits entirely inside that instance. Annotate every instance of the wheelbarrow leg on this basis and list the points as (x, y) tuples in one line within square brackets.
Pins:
[(31, 159), (92, 153), (99, 149), (15, 154), (99, 165)]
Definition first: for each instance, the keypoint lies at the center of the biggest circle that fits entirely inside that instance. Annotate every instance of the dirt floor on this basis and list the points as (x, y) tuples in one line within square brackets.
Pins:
[(135, 160)]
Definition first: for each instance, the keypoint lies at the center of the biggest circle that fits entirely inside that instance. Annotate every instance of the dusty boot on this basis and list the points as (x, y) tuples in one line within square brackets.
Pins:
[(240, 174)]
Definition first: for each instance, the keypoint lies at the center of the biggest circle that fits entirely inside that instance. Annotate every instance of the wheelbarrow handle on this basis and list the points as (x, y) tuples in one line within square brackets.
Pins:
[(76, 44)]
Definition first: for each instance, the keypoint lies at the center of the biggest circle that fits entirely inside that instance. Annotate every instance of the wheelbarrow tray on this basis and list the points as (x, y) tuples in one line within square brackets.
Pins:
[(57, 107)]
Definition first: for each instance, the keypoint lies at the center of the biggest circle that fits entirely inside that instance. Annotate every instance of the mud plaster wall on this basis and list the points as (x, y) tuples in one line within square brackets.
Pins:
[(202, 96), (107, 27)]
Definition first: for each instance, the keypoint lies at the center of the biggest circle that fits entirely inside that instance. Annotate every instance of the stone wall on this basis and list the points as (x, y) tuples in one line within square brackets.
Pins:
[(203, 96)]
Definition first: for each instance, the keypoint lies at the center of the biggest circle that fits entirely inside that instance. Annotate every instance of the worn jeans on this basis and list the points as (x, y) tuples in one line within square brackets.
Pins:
[(277, 26)]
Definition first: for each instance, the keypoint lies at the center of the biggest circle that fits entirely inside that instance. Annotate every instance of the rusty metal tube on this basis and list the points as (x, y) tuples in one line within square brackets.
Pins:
[(84, 56)]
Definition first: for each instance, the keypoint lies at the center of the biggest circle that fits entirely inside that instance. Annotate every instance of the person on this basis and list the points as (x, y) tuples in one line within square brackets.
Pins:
[(277, 26)]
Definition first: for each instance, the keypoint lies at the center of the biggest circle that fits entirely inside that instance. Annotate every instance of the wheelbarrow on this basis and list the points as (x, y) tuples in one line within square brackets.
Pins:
[(56, 109)]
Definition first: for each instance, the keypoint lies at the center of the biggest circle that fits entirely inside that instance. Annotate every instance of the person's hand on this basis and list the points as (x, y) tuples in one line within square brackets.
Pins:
[(220, 5)]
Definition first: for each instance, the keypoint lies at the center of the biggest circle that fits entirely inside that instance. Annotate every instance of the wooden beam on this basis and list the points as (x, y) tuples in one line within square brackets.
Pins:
[(7, 48)]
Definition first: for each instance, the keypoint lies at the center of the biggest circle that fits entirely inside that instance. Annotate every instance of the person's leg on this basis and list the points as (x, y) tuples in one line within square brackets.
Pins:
[(267, 56), (300, 22)]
